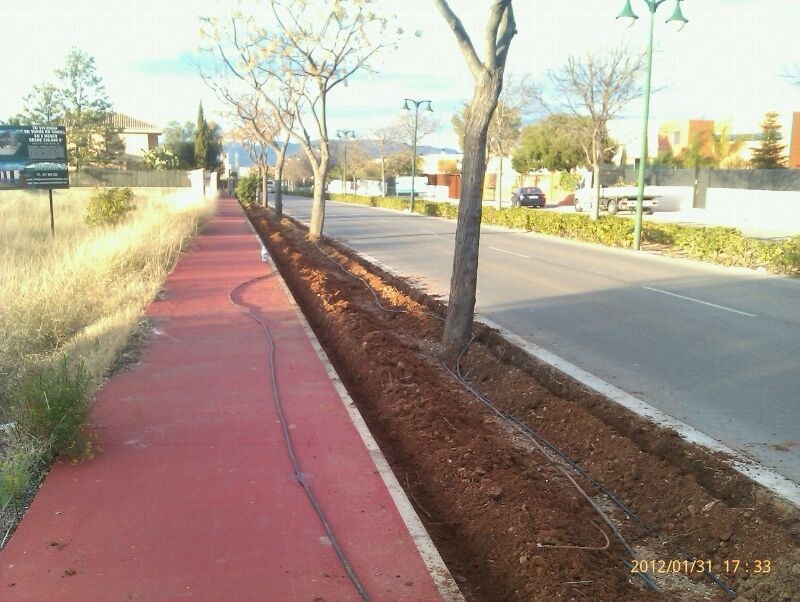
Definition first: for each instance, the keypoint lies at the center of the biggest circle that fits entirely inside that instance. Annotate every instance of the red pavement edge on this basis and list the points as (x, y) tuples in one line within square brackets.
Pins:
[(194, 495)]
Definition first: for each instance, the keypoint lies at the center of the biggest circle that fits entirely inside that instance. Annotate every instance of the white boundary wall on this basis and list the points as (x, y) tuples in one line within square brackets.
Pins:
[(762, 209), (776, 210)]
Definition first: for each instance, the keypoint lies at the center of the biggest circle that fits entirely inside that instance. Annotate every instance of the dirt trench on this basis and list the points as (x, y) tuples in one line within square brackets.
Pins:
[(509, 524)]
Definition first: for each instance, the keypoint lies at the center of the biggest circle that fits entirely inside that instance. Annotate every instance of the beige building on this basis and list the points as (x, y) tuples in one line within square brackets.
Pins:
[(439, 163), (138, 136), (677, 135), (794, 142)]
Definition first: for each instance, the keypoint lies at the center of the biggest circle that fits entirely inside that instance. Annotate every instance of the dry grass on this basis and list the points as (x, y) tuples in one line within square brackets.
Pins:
[(82, 293), (73, 300)]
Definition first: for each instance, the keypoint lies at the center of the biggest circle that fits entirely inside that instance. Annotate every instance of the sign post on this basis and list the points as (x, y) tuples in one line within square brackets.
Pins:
[(34, 157), (52, 216)]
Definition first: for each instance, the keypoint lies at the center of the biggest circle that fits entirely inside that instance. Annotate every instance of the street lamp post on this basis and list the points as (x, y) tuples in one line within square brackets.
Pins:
[(416, 104), (344, 135), (677, 18)]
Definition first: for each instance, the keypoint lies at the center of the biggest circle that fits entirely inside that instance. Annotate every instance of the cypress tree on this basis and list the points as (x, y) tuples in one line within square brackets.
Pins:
[(201, 140)]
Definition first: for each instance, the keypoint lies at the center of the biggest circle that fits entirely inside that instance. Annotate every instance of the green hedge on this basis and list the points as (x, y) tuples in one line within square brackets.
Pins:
[(247, 189), (719, 245)]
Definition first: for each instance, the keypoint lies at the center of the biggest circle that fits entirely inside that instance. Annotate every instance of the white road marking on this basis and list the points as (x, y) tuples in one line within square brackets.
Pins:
[(510, 253), (736, 311)]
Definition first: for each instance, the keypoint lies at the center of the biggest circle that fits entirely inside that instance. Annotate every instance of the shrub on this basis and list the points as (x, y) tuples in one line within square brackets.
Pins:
[(569, 181), (719, 245), (659, 233), (788, 258), (16, 476), (247, 189), (160, 159), (109, 207), (54, 408)]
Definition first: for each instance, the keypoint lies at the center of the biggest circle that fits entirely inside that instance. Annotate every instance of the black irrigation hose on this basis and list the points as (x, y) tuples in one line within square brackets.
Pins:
[(511, 419), (615, 500), (580, 470), (288, 441), (507, 416)]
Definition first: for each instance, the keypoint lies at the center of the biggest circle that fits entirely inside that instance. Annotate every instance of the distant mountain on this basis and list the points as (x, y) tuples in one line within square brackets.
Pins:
[(240, 157), (370, 147)]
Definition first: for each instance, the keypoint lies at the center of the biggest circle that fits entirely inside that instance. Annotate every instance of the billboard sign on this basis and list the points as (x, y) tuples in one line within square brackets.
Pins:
[(33, 156)]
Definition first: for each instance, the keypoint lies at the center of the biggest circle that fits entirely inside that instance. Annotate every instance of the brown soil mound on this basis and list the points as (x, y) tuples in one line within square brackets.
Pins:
[(509, 523)]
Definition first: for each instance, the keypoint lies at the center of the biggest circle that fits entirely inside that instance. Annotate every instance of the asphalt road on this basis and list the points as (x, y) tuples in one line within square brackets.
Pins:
[(718, 348)]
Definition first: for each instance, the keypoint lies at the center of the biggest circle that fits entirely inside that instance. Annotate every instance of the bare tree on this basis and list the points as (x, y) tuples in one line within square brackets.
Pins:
[(261, 131), (404, 129), (268, 130), (597, 86), (308, 53), (384, 135), (255, 149), (359, 163), (297, 169), (488, 77)]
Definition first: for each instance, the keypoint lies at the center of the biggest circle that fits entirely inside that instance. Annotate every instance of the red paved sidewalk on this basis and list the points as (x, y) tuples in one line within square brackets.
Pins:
[(194, 495)]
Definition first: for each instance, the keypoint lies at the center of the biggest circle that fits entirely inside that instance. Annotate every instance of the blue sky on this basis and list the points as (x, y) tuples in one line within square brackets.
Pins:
[(727, 64)]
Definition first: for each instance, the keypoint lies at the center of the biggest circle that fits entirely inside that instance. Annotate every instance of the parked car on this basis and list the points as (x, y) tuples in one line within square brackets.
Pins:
[(528, 196), (270, 189)]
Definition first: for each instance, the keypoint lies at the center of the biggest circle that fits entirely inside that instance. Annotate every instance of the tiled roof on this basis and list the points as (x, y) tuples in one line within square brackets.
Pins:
[(124, 122)]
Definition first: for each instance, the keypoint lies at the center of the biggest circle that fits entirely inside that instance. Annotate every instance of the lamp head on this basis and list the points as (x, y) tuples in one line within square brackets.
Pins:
[(428, 107), (627, 15), (405, 105), (677, 17)]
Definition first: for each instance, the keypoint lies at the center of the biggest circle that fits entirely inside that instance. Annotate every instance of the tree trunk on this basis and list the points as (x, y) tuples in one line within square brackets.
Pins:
[(596, 175), (318, 205), (263, 170), (278, 190), (279, 161), (596, 206), (499, 184), (383, 176), (463, 283)]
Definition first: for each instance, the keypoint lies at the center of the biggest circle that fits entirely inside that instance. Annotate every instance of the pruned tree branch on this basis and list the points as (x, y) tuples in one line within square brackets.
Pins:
[(500, 30), (462, 38)]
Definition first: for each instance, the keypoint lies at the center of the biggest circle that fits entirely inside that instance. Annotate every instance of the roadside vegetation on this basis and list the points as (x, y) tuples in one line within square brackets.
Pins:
[(70, 305), (724, 246), (247, 188)]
